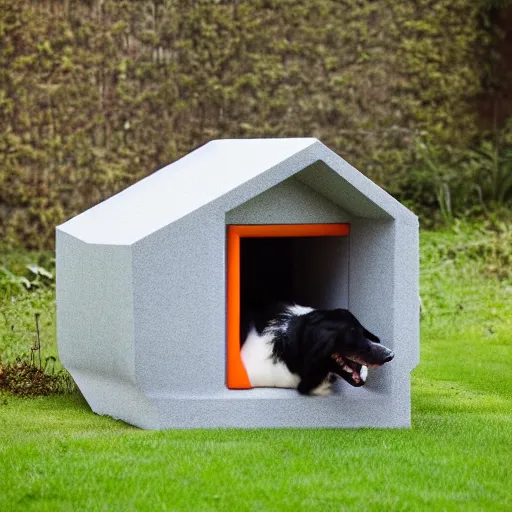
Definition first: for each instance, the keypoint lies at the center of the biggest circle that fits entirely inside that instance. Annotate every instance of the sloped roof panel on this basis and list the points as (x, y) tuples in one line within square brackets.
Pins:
[(180, 188), (214, 170)]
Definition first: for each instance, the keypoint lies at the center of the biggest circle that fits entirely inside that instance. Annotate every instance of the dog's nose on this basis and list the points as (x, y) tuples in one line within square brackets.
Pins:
[(390, 357)]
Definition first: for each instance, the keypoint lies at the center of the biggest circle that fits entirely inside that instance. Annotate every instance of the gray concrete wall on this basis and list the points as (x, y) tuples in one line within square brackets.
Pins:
[(95, 328), (95, 308), (179, 307), (289, 202)]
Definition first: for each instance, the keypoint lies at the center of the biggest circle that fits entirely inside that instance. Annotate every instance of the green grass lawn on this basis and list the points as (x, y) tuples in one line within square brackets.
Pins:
[(57, 455)]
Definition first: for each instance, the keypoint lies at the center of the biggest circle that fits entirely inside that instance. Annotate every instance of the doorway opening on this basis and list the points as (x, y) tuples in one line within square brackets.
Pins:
[(305, 264)]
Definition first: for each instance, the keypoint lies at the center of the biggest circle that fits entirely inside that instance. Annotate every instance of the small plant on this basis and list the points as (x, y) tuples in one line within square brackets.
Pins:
[(35, 276), (461, 182), (11, 284), (491, 167), (30, 377), (25, 379), (435, 180), (37, 347)]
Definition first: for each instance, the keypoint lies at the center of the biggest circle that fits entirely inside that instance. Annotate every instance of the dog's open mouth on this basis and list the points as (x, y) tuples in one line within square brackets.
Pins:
[(352, 370)]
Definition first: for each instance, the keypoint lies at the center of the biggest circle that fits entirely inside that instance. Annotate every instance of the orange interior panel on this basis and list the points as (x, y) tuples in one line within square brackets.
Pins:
[(236, 376)]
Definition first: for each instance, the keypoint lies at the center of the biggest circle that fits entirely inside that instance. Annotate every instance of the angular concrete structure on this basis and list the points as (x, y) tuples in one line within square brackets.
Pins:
[(141, 287)]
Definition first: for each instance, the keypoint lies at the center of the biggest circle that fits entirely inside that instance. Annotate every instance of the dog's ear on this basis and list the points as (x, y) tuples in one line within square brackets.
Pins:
[(317, 346), (314, 317), (371, 336)]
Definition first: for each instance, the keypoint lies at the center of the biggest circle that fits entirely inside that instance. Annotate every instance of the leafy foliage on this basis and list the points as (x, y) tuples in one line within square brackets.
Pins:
[(469, 252), (496, 4), (96, 94), (11, 284), (491, 167), (29, 362), (458, 180)]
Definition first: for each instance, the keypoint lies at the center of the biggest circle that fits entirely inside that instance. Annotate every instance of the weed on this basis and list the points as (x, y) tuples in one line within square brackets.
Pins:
[(490, 166), (25, 379), (27, 327), (34, 276), (461, 182)]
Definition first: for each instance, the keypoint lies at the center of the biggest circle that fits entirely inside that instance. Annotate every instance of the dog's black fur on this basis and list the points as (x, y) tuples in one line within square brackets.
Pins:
[(320, 343)]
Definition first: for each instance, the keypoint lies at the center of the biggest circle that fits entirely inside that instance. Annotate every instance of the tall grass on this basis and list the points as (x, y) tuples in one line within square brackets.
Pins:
[(460, 183)]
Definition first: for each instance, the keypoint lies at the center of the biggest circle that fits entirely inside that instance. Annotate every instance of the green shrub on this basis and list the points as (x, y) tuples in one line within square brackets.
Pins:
[(491, 167), (27, 289), (456, 182), (96, 95)]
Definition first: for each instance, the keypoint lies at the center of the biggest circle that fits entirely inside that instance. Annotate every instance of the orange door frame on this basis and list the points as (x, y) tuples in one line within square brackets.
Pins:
[(236, 376)]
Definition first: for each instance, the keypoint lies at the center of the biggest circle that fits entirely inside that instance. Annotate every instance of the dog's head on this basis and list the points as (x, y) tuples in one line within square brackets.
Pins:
[(336, 340)]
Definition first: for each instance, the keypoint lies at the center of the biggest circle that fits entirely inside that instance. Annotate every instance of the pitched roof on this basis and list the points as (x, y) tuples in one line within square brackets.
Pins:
[(205, 175)]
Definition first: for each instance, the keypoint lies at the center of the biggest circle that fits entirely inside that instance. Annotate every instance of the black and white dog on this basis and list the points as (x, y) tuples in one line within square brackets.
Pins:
[(304, 348)]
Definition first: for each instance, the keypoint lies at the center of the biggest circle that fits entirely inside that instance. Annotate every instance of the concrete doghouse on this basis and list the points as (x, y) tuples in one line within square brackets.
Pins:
[(150, 284)]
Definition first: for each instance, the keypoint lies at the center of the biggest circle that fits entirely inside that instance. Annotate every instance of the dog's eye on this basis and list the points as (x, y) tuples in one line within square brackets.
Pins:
[(352, 330)]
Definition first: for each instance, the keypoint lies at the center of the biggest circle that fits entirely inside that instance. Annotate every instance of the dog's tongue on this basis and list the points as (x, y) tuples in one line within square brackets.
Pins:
[(355, 374), (356, 377)]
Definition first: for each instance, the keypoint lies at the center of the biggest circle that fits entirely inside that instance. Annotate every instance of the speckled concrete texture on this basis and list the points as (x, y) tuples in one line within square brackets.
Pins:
[(141, 287)]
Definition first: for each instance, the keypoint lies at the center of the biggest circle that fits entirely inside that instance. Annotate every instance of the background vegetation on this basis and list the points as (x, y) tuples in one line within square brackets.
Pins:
[(95, 94)]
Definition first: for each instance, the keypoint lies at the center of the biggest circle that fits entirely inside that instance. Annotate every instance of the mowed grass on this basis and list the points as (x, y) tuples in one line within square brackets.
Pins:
[(57, 455)]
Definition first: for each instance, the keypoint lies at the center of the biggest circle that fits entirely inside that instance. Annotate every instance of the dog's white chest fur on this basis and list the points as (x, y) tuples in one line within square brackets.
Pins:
[(261, 369)]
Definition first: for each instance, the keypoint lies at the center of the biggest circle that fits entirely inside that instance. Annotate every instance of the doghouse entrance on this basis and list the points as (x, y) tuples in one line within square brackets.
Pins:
[(302, 263)]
